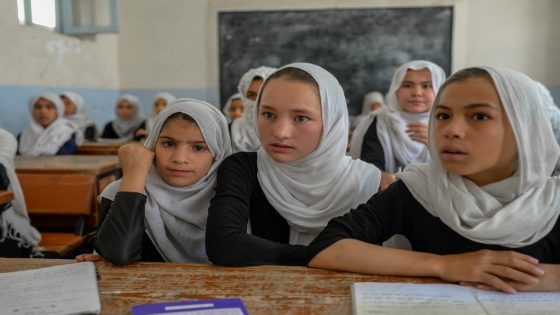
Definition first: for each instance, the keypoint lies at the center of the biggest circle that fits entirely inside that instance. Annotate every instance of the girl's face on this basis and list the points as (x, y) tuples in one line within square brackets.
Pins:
[(69, 106), (253, 90), (159, 105), (473, 134), (289, 119), (125, 110), (374, 106), (236, 109), (44, 112), (182, 156), (416, 94)]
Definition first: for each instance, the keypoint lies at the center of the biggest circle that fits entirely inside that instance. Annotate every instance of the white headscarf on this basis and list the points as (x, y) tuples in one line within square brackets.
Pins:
[(243, 135), (168, 97), (226, 108), (14, 222), (399, 149), (125, 128), (80, 118), (326, 183), (369, 98), (176, 216), (37, 140), (553, 110), (517, 211)]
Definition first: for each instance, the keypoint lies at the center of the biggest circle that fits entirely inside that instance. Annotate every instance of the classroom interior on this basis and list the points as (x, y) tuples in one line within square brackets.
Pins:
[(173, 46)]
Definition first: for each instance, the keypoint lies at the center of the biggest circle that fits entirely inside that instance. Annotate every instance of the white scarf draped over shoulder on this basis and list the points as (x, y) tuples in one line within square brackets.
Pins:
[(37, 140), (243, 135), (398, 148), (326, 183), (14, 221), (81, 117), (514, 212), (168, 98), (176, 216), (125, 128)]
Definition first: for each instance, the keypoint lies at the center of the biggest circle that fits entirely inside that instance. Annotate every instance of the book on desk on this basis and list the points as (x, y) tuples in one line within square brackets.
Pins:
[(228, 306), (434, 299)]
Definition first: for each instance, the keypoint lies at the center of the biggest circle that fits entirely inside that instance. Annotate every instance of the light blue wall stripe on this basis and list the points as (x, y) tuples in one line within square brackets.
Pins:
[(100, 102)]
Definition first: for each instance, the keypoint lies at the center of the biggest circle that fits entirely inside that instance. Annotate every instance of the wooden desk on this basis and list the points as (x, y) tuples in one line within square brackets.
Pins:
[(100, 148), (6, 196), (65, 185), (263, 289)]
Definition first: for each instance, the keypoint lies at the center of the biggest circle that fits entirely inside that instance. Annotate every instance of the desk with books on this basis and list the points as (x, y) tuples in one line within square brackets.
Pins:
[(263, 289)]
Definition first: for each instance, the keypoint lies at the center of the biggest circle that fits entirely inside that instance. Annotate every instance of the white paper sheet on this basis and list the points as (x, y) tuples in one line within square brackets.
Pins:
[(63, 289)]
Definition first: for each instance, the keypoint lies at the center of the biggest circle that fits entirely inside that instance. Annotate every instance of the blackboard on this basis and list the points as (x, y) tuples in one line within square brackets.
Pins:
[(361, 47)]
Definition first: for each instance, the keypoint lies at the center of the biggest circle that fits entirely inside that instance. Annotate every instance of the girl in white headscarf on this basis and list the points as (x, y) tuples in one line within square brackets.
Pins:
[(396, 135), (160, 101), (272, 202), (48, 132), (372, 102), (233, 108), (75, 111), (128, 121), (491, 184), (17, 237), (158, 210), (243, 135)]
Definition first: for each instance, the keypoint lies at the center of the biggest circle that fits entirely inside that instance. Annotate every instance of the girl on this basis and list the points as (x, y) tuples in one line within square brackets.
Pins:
[(75, 111), (158, 210), (243, 135), (160, 101), (396, 135), (272, 202), (372, 102), (233, 108), (17, 237), (48, 132), (488, 186), (128, 121)]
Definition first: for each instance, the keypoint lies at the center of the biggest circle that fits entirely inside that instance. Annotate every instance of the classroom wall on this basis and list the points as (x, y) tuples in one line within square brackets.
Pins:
[(171, 45)]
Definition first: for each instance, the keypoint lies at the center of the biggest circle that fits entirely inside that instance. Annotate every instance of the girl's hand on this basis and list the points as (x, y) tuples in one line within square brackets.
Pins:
[(386, 180), (418, 132), (136, 162), (486, 269), (88, 257)]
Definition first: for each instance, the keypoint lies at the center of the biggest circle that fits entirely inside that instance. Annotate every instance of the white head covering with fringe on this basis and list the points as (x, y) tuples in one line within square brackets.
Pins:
[(168, 98), (125, 128), (80, 118)]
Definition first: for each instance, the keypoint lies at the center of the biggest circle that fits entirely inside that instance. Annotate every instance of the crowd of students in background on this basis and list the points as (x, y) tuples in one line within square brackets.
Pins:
[(455, 177)]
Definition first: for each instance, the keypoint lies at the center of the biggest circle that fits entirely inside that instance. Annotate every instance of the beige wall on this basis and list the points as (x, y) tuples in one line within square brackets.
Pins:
[(39, 57)]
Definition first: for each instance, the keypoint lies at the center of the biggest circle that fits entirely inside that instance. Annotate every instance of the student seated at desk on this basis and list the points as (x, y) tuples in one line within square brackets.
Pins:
[(269, 204), (484, 211), (48, 132), (75, 111), (233, 108), (160, 101), (158, 210), (17, 237), (128, 122)]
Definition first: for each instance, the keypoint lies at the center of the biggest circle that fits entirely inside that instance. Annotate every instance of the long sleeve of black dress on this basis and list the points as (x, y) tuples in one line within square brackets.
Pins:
[(121, 236), (238, 201)]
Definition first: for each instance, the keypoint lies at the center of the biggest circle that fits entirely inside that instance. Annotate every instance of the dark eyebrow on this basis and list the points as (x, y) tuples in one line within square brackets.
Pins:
[(412, 82), (297, 111), (173, 139), (470, 106)]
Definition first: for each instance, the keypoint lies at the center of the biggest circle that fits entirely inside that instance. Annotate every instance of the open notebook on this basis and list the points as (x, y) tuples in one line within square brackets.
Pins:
[(435, 299), (63, 289)]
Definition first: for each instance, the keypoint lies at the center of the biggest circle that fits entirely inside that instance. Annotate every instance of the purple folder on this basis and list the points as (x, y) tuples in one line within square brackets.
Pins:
[(228, 306)]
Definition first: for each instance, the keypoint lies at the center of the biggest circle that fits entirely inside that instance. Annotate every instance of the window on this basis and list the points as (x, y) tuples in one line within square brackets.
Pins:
[(73, 17)]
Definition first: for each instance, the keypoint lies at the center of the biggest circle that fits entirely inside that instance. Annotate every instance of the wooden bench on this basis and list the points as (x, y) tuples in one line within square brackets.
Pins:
[(60, 193)]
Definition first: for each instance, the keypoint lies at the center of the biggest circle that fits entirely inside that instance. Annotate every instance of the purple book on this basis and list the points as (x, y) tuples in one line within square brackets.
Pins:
[(230, 306)]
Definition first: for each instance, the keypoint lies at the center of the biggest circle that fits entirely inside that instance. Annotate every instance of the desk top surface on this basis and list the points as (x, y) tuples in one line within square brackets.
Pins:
[(6, 196), (90, 164), (263, 289), (100, 148)]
